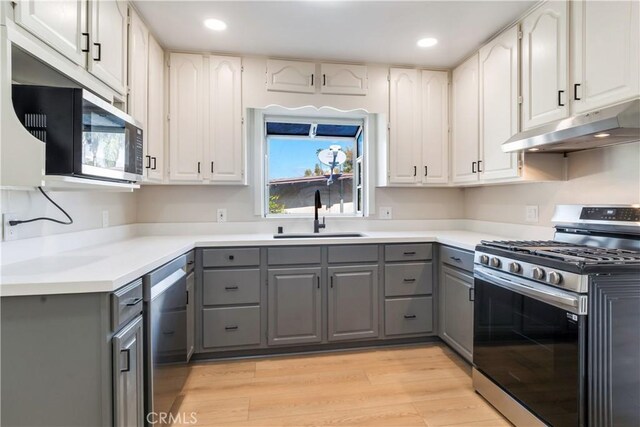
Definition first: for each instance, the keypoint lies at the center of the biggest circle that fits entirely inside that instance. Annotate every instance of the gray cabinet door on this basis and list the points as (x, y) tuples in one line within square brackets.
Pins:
[(353, 302), (191, 334), (295, 303), (128, 369), (456, 317)]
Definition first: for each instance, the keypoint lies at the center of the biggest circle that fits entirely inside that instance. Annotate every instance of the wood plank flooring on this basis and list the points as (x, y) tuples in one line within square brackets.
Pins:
[(427, 385)]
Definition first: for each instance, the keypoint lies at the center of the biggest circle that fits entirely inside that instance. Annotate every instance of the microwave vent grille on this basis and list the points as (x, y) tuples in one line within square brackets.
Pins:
[(36, 124)]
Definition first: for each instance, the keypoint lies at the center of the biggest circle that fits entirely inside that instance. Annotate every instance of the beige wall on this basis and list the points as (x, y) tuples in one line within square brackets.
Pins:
[(199, 203), (605, 175), (84, 207)]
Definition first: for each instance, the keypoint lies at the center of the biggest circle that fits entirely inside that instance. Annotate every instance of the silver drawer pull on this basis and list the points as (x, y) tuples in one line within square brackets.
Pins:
[(230, 328), (409, 280), (134, 301), (409, 316), (230, 288), (409, 253), (455, 258)]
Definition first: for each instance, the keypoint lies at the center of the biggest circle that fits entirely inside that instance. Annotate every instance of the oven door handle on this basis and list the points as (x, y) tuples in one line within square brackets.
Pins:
[(575, 304)]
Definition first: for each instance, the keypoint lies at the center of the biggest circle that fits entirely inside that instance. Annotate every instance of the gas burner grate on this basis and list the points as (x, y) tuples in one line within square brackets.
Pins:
[(526, 245)]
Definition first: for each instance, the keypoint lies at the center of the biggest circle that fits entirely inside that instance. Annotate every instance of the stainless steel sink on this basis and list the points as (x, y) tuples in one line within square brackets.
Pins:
[(316, 235)]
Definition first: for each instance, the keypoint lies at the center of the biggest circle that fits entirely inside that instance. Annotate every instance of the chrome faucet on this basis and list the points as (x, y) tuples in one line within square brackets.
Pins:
[(316, 224)]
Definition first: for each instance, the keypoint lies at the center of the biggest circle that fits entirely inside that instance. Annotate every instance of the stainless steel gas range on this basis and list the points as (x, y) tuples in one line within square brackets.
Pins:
[(556, 323)]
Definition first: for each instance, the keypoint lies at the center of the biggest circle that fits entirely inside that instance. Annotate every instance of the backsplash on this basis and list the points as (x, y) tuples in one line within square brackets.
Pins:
[(608, 175), (86, 209)]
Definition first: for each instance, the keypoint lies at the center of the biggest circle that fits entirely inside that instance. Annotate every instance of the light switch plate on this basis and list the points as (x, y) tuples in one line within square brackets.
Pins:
[(222, 215), (531, 214), (385, 212)]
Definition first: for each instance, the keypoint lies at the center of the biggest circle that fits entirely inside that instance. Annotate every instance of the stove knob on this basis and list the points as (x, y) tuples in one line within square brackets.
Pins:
[(555, 278), (484, 259), (538, 273), (495, 262), (514, 267)]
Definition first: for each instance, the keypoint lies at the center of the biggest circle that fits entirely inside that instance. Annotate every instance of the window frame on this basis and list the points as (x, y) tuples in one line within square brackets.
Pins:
[(359, 160)]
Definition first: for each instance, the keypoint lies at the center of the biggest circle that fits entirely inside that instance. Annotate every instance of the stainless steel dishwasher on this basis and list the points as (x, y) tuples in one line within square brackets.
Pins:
[(165, 299)]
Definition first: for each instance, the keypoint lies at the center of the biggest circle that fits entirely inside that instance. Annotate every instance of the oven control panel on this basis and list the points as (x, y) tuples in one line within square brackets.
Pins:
[(611, 214)]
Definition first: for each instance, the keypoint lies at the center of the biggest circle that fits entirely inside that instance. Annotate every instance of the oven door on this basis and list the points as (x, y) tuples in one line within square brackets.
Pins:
[(530, 340), (111, 142)]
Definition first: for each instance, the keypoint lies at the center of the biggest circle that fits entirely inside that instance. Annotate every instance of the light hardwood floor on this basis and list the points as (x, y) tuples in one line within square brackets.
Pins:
[(401, 386)]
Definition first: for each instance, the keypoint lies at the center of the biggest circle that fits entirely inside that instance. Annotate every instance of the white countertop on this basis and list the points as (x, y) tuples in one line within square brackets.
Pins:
[(107, 267)]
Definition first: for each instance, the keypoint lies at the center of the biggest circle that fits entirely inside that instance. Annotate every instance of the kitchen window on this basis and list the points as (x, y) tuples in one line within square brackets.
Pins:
[(305, 155)]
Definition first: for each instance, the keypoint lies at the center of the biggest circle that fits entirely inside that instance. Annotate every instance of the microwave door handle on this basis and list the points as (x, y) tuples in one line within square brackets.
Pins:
[(557, 299)]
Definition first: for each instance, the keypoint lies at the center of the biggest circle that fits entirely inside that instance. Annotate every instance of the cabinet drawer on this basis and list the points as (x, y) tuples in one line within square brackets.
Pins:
[(126, 303), (233, 326), (408, 316), (408, 279), (294, 255), (457, 258), (353, 253), (223, 287), (409, 252), (230, 257)]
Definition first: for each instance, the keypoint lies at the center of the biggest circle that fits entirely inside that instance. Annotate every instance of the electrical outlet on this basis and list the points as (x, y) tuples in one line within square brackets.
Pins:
[(385, 213), (531, 214), (9, 232), (222, 215), (105, 219)]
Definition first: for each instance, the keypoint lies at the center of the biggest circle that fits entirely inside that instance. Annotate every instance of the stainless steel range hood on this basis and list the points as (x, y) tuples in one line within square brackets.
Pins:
[(613, 125)]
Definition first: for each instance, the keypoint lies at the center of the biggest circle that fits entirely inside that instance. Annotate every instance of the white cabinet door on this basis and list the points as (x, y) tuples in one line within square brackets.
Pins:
[(498, 105), (605, 53), (464, 121), (341, 79), (435, 127), (225, 120), (61, 24), (108, 29), (404, 122), (291, 76), (545, 39), (138, 69), (186, 113), (155, 130)]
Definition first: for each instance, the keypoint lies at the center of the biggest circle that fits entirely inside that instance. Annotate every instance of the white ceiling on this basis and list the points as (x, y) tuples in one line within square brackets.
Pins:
[(356, 31)]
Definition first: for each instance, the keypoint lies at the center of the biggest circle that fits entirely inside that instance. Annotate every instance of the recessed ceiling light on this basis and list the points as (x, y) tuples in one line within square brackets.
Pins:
[(534, 149), (215, 24), (427, 42), (602, 135)]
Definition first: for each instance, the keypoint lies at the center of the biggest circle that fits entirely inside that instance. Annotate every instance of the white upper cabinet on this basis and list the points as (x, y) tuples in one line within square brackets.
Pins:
[(545, 40), (605, 53), (341, 79), (498, 105), (155, 130), (435, 127), (291, 76), (61, 24), (464, 121), (404, 126), (138, 69), (225, 120), (108, 50), (186, 113)]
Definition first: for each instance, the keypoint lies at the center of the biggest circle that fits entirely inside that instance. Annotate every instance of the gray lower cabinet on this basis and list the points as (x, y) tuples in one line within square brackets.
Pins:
[(353, 303), (191, 312), (456, 312), (128, 383), (408, 316), (231, 326), (294, 305)]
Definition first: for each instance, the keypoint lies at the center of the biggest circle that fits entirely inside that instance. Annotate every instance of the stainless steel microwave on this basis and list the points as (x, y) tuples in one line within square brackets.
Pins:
[(84, 136)]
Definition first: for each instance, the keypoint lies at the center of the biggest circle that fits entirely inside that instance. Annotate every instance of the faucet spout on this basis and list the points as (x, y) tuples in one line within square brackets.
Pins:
[(318, 205)]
